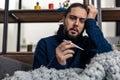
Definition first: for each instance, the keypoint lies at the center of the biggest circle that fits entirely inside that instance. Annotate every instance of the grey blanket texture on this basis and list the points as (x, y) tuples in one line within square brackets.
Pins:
[(102, 67)]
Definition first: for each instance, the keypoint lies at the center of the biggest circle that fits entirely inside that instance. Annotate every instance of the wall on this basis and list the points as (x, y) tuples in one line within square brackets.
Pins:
[(32, 32)]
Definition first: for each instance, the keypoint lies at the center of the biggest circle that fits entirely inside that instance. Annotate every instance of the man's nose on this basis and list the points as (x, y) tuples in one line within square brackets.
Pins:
[(76, 21)]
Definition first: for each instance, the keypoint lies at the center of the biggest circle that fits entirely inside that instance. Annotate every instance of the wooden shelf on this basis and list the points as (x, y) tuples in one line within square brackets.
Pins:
[(28, 16), (26, 57), (10, 19), (108, 14), (111, 14)]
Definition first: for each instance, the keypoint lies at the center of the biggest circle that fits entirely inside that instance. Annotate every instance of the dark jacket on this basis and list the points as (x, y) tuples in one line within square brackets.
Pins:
[(93, 43)]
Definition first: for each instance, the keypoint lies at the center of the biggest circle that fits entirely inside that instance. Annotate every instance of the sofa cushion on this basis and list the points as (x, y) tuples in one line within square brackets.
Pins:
[(8, 65)]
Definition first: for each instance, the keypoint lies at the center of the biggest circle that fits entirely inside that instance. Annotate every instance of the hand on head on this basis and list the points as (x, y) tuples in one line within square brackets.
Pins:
[(92, 11)]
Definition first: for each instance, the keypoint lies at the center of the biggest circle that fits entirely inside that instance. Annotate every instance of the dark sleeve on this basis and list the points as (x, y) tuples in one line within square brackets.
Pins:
[(40, 56), (96, 36), (54, 64)]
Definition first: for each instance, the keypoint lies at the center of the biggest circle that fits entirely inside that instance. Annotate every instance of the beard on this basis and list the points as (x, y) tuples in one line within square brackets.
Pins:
[(70, 36)]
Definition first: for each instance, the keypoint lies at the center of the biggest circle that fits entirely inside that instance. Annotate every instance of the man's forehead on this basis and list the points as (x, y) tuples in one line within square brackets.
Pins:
[(78, 8), (79, 12)]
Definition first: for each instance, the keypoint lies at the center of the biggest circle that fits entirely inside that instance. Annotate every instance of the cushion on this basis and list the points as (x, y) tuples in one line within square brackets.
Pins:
[(9, 65)]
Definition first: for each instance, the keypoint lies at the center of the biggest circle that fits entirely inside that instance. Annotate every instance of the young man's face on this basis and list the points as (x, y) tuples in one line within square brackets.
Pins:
[(74, 21)]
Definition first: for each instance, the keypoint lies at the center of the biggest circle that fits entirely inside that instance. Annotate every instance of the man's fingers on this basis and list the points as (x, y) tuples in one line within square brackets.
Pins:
[(68, 56), (66, 45), (92, 11), (68, 52)]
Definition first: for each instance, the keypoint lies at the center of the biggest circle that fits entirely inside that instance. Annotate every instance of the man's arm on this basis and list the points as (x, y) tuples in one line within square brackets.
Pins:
[(95, 34), (41, 56)]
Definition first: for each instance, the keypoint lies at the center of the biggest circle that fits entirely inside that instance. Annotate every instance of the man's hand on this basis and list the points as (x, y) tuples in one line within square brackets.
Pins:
[(64, 52), (92, 11)]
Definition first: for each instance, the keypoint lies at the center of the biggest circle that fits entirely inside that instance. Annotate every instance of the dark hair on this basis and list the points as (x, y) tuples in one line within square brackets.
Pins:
[(75, 5)]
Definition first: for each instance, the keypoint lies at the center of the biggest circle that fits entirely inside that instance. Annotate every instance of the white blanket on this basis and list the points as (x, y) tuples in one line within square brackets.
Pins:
[(105, 66)]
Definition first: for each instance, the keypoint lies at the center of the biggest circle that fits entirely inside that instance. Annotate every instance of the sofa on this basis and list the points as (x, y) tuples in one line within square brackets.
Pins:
[(9, 66)]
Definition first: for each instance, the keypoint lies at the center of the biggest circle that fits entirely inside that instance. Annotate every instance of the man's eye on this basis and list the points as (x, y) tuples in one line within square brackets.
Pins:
[(82, 20), (72, 17)]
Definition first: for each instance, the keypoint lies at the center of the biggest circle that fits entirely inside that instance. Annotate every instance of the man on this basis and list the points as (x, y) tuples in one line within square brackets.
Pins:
[(59, 51)]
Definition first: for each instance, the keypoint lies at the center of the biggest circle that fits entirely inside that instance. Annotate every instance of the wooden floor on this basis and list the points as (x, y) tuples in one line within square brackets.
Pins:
[(26, 57)]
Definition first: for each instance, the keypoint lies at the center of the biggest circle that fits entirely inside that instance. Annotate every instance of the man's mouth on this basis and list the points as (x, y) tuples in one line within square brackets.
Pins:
[(74, 30)]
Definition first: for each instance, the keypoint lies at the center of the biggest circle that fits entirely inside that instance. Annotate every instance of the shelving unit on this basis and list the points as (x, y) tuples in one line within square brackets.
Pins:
[(111, 14), (28, 16), (10, 19), (35, 16)]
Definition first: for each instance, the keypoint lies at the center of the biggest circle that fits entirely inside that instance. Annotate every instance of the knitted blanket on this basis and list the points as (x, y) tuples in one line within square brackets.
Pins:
[(105, 66)]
